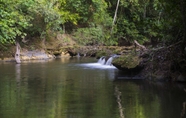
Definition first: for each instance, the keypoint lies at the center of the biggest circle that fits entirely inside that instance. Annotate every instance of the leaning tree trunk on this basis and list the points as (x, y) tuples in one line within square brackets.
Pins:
[(17, 54), (139, 45), (115, 16)]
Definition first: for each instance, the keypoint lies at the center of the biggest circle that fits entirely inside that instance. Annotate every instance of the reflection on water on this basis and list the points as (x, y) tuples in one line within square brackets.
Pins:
[(17, 73), (79, 88), (118, 99)]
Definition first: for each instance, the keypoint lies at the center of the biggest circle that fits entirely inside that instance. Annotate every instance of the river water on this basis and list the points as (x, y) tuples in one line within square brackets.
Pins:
[(81, 88)]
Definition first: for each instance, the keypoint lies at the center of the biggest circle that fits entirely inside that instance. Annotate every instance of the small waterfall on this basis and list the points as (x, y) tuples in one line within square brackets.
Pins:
[(78, 55), (103, 61), (109, 61)]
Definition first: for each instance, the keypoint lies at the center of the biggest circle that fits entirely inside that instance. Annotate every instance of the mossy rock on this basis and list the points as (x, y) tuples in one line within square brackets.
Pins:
[(129, 62)]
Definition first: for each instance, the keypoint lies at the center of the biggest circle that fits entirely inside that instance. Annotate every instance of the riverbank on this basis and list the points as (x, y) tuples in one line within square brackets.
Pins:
[(165, 64), (155, 64)]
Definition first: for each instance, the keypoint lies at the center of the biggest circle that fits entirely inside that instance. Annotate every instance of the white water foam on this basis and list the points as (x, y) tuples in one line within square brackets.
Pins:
[(101, 64), (97, 66)]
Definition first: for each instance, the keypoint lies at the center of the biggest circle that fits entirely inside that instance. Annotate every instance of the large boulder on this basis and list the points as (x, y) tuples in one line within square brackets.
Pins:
[(128, 63)]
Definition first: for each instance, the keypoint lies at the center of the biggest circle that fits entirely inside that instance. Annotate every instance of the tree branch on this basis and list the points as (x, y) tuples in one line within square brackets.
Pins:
[(139, 45)]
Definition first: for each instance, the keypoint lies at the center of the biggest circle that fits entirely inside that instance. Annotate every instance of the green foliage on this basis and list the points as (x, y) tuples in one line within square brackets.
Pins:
[(91, 20), (174, 20), (76, 9), (89, 36), (64, 9), (46, 16), (138, 20), (12, 21), (146, 20), (100, 15), (92, 36), (102, 19), (96, 23)]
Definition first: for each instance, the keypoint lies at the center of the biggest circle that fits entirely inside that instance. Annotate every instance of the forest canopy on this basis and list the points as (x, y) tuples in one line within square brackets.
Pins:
[(90, 21)]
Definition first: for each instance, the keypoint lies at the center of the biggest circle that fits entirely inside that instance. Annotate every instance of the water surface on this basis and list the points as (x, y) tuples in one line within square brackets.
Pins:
[(82, 88)]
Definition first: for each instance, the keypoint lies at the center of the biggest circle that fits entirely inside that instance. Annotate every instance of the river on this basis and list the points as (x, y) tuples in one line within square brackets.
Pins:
[(80, 88)]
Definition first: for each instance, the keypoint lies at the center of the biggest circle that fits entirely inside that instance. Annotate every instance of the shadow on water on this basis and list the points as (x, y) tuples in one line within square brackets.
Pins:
[(121, 75), (143, 99)]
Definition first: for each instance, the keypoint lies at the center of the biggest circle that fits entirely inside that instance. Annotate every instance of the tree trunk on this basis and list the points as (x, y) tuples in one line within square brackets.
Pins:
[(115, 16), (17, 54), (145, 11)]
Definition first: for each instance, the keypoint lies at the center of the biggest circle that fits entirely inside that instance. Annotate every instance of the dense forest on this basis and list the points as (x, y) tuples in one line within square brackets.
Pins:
[(160, 23), (91, 21)]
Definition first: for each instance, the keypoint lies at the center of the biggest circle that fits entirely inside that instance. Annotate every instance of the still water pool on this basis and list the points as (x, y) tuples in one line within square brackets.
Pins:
[(81, 88)]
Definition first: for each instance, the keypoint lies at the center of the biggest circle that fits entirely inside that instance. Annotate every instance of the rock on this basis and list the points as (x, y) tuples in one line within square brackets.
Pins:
[(9, 59), (129, 63), (35, 55), (64, 54)]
